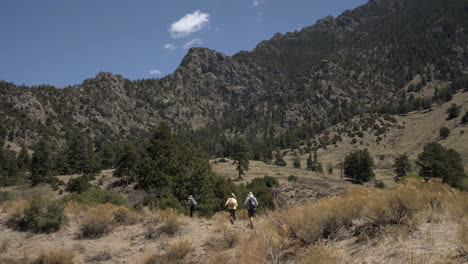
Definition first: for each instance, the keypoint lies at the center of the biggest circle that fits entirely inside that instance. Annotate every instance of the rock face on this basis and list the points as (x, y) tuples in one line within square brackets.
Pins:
[(360, 61)]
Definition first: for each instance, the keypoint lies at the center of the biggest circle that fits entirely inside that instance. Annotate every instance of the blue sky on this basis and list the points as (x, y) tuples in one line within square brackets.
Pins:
[(63, 42)]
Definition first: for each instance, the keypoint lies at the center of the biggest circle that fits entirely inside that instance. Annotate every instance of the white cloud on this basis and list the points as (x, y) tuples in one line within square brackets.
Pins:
[(258, 2), (169, 46), (189, 24), (192, 43), (155, 72)]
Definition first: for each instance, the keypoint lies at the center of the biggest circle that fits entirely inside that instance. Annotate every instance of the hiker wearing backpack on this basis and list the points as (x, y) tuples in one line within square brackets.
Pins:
[(251, 204), (231, 204), (192, 204)]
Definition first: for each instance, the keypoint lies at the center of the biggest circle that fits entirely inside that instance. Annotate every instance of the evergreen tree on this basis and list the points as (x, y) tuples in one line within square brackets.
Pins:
[(310, 162), (8, 167), (173, 171), (359, 166), (402, 166), (24, 161), (444, 132), (453, 111), (465, 118), (330, 168), (127, 165), (240, 155), (438, 162), (297, 161), (279, 161), (41, 163)]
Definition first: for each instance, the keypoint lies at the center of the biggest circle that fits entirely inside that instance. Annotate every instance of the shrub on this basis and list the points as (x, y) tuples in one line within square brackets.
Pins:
[(444, 132), (55, 256), (178, 250), (163, 222), (38, 215), (379, 184), (123, 215), (4, 246), (453, 111), (96, 196), (464, 119), (80, 184), (270, 181), (98, 222), (321, 253), (292, 178)]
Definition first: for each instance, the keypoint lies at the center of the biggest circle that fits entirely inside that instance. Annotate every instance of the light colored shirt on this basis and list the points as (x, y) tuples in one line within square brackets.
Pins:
[(231, 206)]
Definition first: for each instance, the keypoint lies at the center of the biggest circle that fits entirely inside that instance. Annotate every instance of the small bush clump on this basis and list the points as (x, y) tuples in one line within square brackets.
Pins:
[(98, 222), (292, 178), (175, 253), (38, 215), (96, 196), (79, 185), (163, 222), (55, 256)]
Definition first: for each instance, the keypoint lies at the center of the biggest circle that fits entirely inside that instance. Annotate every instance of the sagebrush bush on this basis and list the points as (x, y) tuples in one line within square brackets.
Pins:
[(162, 222), (123, 215), (55, 256), (4, 246), (98, 222), (321, 253), (39, 215), (175, 253), (96, 196)]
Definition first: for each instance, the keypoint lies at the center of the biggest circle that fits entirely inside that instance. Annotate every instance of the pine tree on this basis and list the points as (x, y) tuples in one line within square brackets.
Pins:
[(453, 111), (438, 162), (297, 161), (465, 118), (402, 166), (8, 167), (241, 155), (279, 161), (24, 161), (359, 166), (41, 163), (127, 165)]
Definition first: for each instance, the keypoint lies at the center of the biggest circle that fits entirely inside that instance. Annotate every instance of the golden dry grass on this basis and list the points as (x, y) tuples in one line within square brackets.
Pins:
[(359, 212), (321, 253), (55, 256)]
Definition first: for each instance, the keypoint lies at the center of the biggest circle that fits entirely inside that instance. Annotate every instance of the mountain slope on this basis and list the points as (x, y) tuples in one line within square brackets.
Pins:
[(364, 60)]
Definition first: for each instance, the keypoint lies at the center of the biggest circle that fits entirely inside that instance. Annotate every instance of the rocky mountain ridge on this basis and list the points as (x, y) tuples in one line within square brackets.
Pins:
[(363, 60)]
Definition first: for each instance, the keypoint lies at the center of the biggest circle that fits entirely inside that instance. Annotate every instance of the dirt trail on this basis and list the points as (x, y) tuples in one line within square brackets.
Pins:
[(124, 245)]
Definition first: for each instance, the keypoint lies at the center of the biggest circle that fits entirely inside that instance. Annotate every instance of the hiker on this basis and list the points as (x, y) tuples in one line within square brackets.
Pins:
[(251, 204), (231, 204), (191, 204)]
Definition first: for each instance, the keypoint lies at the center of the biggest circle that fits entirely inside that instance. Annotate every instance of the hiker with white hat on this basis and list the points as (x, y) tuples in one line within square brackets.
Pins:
[(192, 204), (231, 204), (251, 204)]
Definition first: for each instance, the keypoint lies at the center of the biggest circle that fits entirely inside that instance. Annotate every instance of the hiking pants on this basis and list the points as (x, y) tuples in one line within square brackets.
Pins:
[(232, 213), (192, 209)]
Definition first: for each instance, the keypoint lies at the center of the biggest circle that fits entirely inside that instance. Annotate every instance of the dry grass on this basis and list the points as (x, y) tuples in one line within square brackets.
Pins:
[(266, 245), (4, 246), (365, 213), (162, 222), (322, 253), (125, 216), (98, 221), (175, 253), (55, 256)]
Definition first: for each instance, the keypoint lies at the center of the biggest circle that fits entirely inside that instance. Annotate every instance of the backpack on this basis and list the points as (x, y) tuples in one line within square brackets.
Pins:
[(252, 203), (231, 202), (192, 203)]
